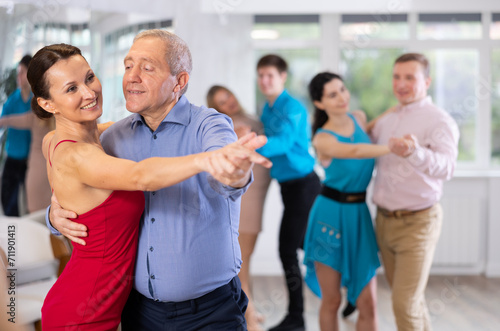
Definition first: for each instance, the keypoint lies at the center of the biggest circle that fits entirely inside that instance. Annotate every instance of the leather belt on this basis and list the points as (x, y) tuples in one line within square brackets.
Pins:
[(343, 197), (401, 212)]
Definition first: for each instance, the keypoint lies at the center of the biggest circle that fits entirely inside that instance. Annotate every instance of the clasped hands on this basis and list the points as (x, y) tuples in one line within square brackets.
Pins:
[(232, 164), (403, 146)]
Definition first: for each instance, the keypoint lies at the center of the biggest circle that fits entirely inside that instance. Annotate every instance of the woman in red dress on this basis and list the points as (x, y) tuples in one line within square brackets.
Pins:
[(106, 192)]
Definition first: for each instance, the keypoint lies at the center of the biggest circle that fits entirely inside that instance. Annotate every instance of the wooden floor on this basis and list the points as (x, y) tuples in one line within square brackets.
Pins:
[(456, 303)]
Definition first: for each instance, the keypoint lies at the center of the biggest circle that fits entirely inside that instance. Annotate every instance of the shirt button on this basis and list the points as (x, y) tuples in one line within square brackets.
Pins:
[(153, 220), (323, 229), (338, 235), (331, 232), (153, 193), (152, 276), (151, 248), (154, 136)]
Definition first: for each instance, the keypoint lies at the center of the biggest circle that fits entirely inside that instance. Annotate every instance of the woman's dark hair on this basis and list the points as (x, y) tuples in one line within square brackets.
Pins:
[(316, 87), (42, 61)]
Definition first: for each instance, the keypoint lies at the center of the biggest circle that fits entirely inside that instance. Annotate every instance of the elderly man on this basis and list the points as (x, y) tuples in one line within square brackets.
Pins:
[(188, 256), (408, 187)]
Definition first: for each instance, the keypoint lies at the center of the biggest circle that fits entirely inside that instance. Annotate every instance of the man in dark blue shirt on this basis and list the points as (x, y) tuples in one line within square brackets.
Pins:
[(287, 129), (18, 142)]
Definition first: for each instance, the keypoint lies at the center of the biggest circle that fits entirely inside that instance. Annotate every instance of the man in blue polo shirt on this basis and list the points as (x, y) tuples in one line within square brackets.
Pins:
[(18, 142), (287, 129)]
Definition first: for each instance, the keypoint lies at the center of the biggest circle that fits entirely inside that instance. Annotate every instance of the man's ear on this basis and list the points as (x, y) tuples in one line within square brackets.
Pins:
[(46, 105), (182, 80), (428, 82), (284, 76)]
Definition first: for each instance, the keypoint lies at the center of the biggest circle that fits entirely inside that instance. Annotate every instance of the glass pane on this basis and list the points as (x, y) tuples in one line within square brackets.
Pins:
[(495, 27), (449, 26), (81, 37), (303, 64), (454, 81), (495, 107), (286, 31), (368, 76), (380, 26)]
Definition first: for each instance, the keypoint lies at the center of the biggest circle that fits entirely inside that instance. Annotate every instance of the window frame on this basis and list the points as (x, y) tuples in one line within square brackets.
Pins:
[(330, 45)]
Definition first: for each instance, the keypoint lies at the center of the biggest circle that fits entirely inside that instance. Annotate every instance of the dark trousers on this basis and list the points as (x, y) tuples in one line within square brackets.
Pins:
[(298, 197), (220, 310), (13, 176)]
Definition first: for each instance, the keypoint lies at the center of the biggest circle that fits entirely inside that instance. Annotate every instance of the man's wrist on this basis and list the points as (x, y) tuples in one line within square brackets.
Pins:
[(241, 183)]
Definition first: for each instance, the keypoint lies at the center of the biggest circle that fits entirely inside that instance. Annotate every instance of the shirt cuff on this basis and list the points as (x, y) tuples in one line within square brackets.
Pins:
[(49, 225), (229, 191)]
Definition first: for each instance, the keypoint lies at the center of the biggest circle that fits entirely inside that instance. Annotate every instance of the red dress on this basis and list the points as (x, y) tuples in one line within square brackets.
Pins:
[(92, 290)]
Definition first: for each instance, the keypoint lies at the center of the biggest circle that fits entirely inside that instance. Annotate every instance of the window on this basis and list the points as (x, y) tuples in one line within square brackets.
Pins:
[(368, 76), (454, 75), (382, 26), (286, 27), (495, 26), (296, 38), (449, 26), (495, 107)]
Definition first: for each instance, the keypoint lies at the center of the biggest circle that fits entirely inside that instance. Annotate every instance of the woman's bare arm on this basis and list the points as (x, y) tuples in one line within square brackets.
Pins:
[(328, 147)]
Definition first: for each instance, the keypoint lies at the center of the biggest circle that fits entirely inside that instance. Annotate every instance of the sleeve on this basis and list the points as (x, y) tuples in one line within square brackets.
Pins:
[(436, 156), (282, 129), (375, 133), (216, 131), (49, 225)]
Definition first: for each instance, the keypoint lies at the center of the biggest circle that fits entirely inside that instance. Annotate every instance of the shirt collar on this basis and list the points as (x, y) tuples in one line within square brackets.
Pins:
[(279, 100), (178, 114), (417, 104)]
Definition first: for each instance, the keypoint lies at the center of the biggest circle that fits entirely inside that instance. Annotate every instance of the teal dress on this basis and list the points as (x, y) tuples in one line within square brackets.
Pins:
[(340, 235)]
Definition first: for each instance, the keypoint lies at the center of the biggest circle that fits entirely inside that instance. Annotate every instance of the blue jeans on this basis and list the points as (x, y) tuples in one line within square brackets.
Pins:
[(222, 309)]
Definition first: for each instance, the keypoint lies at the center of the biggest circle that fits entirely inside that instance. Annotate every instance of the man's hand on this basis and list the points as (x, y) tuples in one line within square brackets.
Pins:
[(404, 146), (232, 164), (60, 220)]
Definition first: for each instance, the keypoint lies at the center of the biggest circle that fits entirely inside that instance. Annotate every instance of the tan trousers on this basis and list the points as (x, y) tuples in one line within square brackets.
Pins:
[(407, 245)]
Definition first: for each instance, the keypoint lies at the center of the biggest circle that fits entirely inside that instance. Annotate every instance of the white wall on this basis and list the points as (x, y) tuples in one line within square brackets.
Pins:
[(222, 53)]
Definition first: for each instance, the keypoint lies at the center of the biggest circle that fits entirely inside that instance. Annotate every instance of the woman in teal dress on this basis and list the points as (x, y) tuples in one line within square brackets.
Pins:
[(340, 245)]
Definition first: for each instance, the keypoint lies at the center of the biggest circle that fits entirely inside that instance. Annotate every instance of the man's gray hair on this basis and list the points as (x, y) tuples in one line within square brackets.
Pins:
[(178, 54)]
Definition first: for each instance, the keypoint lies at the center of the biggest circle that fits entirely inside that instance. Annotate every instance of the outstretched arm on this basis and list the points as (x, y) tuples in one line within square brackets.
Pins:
[(435, 156), (18, 121), (328, 147), (234, 171), (230, 164)]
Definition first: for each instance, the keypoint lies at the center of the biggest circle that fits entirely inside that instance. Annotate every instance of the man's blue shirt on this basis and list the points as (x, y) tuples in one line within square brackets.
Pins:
[(288, 132), (18, 141)]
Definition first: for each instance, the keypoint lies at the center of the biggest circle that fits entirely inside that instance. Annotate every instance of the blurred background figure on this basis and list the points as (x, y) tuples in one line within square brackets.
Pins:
[(252, 202), (340, 245), (38, 190), (18, 142)]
